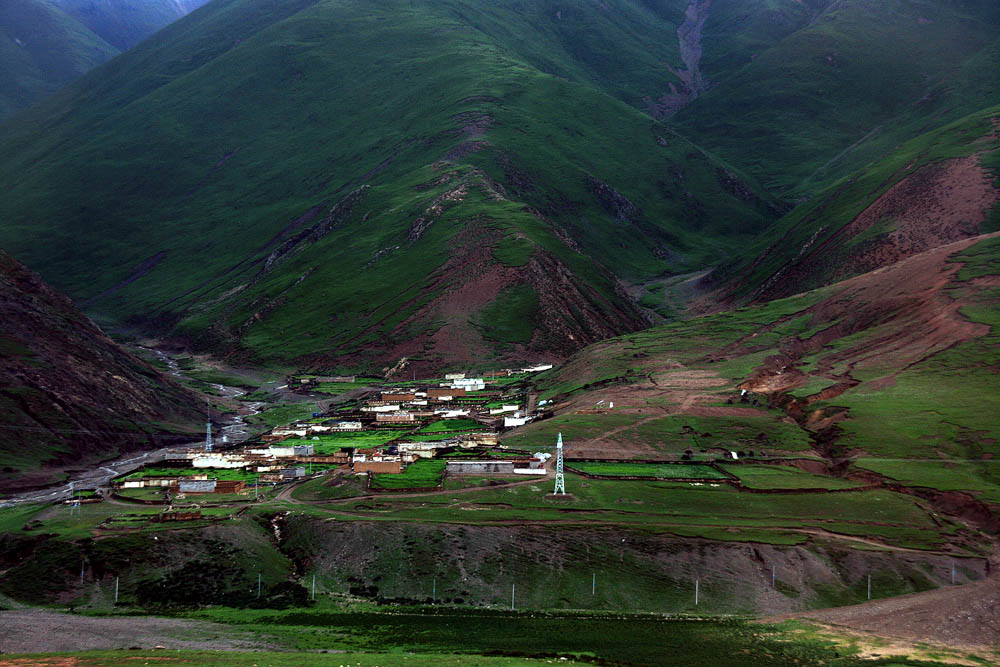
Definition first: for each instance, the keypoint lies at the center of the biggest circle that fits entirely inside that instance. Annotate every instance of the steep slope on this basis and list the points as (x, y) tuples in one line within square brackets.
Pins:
[(42, 49), (833, 85), (125, 23), (940, 187), (69, 395), (311, 180)]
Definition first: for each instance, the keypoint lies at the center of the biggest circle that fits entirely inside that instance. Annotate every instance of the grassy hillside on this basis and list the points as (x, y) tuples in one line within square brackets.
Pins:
[(231, 179), (854, 72), (891, 372), (42, 49)]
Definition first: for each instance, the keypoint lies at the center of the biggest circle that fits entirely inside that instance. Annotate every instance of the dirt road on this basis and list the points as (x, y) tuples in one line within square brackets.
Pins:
[(34, 630), (966, 615)]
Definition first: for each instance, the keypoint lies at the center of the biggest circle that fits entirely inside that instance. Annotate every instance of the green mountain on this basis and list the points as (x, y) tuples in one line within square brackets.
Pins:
[(323, 184), (310, 180), (42, 49)]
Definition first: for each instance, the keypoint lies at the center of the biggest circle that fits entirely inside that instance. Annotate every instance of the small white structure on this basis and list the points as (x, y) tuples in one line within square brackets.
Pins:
[(282, 451), (454, 376), (296, 430), (216, 460), (537, 369), (347, 426), (381, 408), (511, 422)]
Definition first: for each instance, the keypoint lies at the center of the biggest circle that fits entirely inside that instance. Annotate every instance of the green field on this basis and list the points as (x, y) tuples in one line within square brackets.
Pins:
[(646, 470), (331, 443), (784, 477), (423, 473), (213, 473), (452, 425), (980, 478)]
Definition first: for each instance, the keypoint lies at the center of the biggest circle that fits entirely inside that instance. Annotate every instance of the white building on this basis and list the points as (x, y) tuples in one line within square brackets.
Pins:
[(469, 384), (347, 426), (281, 451)]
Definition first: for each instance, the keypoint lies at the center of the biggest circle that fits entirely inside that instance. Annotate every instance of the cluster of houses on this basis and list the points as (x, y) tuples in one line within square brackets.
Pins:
[(285, 452)]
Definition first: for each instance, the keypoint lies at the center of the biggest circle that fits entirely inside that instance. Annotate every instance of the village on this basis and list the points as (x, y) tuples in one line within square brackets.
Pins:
[(401, 437)]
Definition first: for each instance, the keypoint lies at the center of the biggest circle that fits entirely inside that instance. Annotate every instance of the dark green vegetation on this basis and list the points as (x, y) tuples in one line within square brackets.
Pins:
[(410, 636), (45, 44), (68, 393)]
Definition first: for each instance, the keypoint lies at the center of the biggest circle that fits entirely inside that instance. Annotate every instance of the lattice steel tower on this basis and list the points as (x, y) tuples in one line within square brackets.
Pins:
[(560, 477), (208, 427)]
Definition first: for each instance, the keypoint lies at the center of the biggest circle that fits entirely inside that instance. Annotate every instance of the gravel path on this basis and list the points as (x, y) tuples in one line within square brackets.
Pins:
[(39, 630)]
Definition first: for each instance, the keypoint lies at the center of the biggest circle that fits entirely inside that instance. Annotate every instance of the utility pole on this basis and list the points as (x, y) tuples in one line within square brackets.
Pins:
[(81, 572), (258, 584), (696, 592), (593, 583), (434, 589), (869, 587), (512, 597), (116, 590), (314, 587)]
